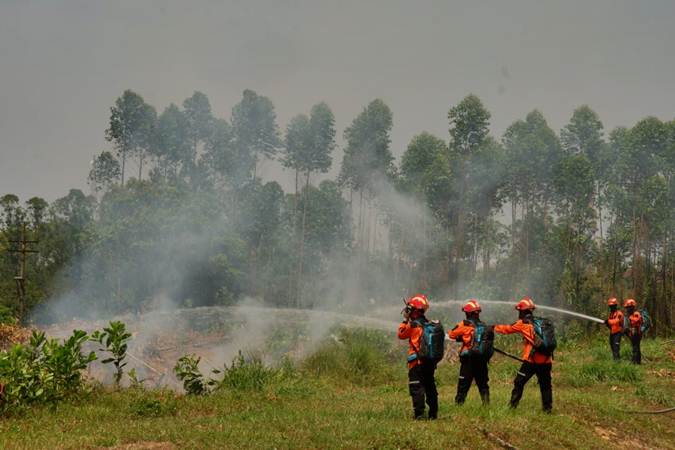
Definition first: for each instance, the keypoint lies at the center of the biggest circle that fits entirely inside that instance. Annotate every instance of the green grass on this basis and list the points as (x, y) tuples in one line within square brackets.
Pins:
[(352, 394)]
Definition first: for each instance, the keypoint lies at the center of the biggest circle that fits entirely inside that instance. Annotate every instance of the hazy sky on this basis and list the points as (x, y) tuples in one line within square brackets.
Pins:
[(63, 63)]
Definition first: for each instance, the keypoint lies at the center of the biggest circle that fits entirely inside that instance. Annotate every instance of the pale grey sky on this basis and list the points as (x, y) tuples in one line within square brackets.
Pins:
[(63, 63)]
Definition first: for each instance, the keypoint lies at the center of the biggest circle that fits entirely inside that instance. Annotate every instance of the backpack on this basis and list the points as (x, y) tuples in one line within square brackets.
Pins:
[(544, 336), (482, 341), (646, 321), (432, 343)]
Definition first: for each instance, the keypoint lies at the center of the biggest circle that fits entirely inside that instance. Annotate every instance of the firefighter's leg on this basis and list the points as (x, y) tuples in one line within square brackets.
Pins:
[(482, 379), (430, 391), (637, 354), (615, 343), (545, 387), (416, 389), (464, 382), (522, 377)]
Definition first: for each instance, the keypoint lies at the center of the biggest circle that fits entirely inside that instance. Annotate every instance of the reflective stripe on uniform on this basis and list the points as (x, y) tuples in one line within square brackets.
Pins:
[(414, 382), (521, 373)]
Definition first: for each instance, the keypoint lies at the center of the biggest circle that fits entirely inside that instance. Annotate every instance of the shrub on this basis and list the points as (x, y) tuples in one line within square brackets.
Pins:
[(43, 370), (114, 339), (7, 315), (187, 371)]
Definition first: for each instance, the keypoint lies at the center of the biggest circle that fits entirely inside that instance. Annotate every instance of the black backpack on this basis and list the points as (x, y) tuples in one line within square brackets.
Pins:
[(544, 336), (483, 341), (432, 342)]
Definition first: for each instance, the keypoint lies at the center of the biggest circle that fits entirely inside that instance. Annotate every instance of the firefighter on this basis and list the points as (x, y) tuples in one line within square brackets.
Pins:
[(615, 324), (421, 382), (534, 363), (633, 328), (473, 365)]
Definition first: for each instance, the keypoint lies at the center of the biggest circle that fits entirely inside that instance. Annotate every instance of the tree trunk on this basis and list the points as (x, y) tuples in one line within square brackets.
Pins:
[(305, 199)]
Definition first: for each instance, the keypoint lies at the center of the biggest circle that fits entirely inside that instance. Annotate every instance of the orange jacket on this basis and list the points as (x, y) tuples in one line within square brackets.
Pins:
[(411, 331), (463, 332), (527, 331), (635, 324), (615, 321)]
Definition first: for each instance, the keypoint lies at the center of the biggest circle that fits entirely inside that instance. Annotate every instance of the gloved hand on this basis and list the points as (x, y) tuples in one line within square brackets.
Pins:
[(607, 322)]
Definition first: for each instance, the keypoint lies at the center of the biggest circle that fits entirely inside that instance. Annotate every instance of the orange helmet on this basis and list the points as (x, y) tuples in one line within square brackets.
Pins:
[(419, 301), (471, 306), (612, 302), (629, 302), (525, 303)]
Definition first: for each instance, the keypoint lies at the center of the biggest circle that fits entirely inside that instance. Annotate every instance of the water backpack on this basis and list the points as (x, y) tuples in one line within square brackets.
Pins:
[(432, 342), (482, 340), (646, 321), (544, 336)]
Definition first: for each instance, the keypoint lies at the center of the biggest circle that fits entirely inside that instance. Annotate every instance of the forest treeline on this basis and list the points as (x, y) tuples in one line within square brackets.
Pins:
[(178, 213)]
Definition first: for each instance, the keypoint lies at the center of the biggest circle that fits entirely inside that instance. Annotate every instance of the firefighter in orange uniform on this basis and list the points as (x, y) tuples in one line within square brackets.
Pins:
[(615, 324), (534, 363), (421, 381), (472, 365), (633, 329)]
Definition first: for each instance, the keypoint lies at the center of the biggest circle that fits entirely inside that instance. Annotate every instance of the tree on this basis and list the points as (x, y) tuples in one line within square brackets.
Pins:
[(254, 126), (532, 152), (583, 135), (105, 172), (131, 126), (367, 158), (173, 146), (197, 111), (469, 127)]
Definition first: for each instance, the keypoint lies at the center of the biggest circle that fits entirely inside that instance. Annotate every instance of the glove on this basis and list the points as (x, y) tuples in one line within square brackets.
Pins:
[(607, 322)]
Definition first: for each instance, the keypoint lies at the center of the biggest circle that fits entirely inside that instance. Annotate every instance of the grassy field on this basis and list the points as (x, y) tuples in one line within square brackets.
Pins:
[(354, 395)]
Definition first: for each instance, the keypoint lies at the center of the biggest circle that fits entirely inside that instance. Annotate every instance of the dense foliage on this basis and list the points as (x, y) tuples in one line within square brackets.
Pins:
[(569, 217)]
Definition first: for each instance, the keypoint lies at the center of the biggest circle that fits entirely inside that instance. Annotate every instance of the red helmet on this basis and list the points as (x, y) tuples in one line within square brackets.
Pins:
[(629, 302), (419, 301), (525, 303), (612, 302), (471, 306)]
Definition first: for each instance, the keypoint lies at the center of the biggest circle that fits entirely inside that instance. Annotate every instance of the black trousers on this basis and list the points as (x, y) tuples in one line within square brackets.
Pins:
[(422, 386), (473, 368), (543, 372), (615, 345), (637, 354)]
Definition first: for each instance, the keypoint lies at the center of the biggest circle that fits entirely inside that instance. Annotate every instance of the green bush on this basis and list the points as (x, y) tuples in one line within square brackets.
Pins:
[(7, 315), (43, 370)]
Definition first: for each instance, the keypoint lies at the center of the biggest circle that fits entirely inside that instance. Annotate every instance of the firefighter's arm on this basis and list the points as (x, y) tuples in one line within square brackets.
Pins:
[(404, 330), (507, 329), (456, 333)]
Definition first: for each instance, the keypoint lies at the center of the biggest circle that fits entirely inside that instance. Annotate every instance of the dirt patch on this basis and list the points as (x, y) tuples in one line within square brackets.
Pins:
[(12, 334), (617, 441), (144, 445)]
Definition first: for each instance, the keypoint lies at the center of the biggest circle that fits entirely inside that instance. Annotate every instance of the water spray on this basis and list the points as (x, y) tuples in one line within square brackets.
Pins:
[(548, 308)]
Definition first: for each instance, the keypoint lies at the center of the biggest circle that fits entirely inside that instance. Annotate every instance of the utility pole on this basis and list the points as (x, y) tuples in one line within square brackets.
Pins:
[(23, 249)]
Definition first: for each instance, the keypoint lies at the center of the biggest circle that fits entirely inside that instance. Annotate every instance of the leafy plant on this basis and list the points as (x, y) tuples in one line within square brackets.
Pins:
[(43, 370), (187, 371), (114, 339)]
